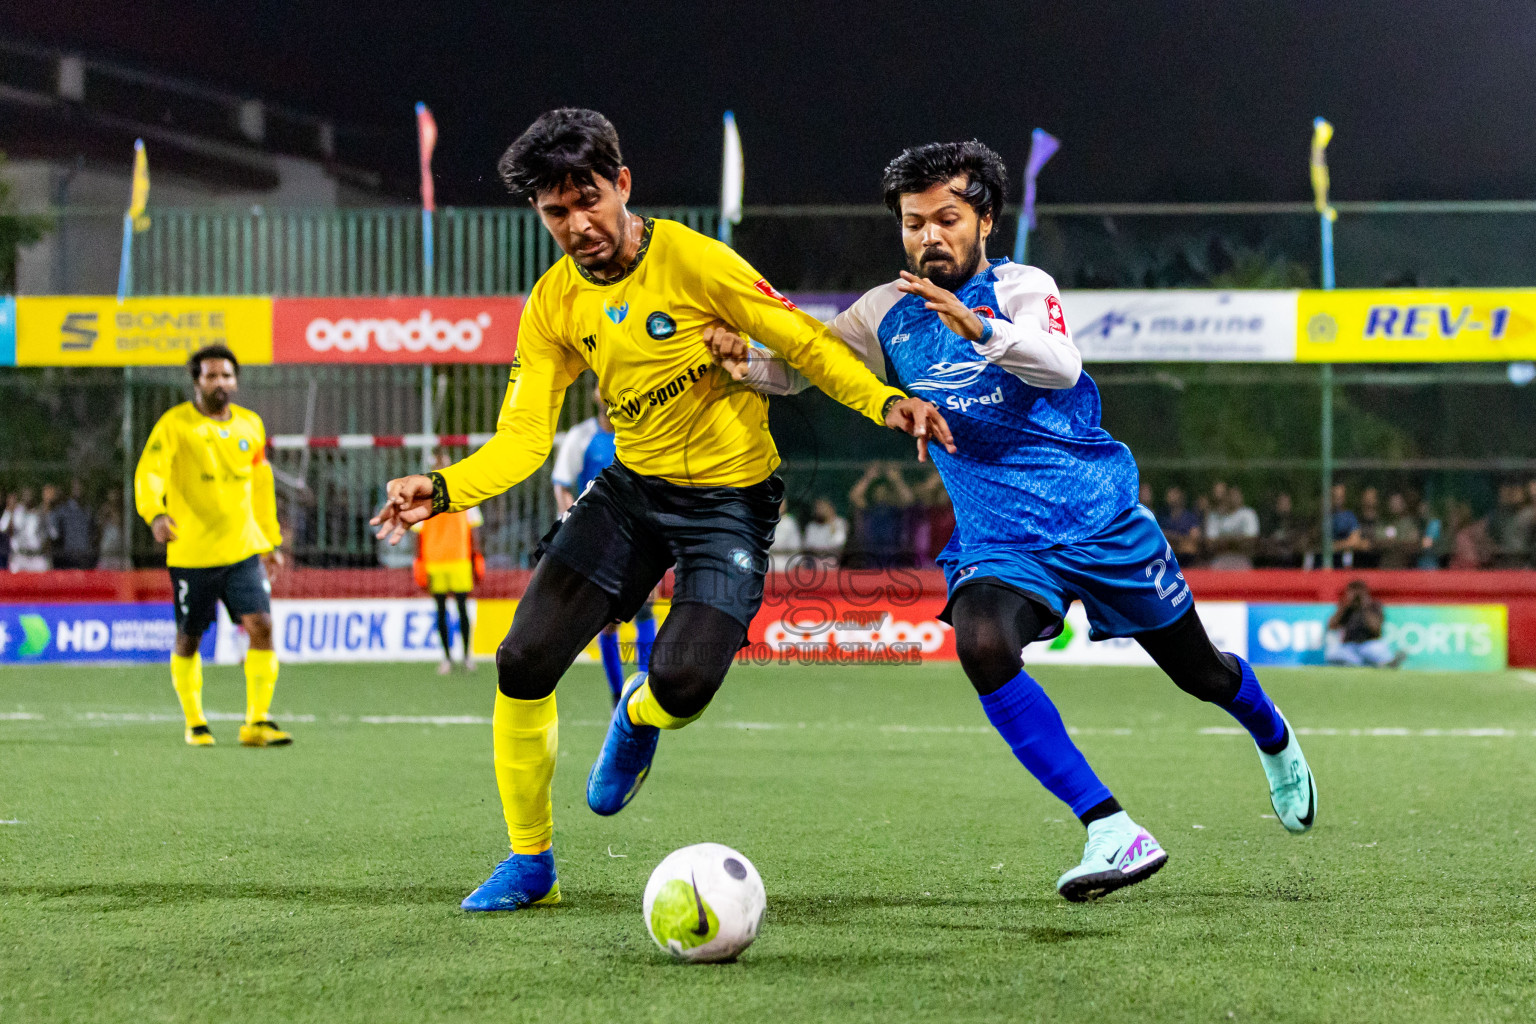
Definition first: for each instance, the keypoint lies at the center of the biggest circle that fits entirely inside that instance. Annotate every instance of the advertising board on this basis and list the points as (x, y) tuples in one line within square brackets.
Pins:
[(396, 330)]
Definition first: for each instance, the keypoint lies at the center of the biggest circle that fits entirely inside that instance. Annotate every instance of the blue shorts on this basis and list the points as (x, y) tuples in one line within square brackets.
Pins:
[(1125, 575)]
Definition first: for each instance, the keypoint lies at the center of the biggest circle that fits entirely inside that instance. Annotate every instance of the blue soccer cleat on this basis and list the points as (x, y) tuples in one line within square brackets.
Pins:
[(625, 759), (522, 880)]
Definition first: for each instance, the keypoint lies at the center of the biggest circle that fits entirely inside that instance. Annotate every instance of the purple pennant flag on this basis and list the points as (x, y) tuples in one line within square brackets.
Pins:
[(1042, 146)]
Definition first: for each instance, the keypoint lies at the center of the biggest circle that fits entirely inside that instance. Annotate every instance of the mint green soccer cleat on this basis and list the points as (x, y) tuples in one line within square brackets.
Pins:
[(1292, 789), (1119, 853)]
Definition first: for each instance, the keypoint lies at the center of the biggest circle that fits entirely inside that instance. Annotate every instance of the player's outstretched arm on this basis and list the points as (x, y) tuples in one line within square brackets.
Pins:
[(772, 376), (1033, 344)]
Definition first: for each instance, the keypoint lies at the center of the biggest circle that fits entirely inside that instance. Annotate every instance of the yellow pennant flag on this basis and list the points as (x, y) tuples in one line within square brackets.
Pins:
[(1322, 134), (136, 207)]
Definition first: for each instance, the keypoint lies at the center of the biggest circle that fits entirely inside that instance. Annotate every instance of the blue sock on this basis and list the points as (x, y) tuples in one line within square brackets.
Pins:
[(1032, 727), (1255, 712), (613, 664), (645, 637)]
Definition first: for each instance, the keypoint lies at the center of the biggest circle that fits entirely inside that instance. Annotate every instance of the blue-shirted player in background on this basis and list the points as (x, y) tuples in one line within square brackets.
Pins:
[(1045, 500), (587, 450)]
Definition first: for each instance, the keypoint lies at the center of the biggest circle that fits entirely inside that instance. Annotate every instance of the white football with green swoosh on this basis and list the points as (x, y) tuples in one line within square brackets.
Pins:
[(704, 903)]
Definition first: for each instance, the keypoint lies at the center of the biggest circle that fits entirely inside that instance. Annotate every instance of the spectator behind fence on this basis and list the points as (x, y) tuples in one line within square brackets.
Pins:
[(112, 552), (1471, 547), (1508, 527), (934, 521), (6, 501), (1282, 544), (1345, 526), (1231, 530), (1432, 550), (1526, 522), (1354, 631), (1368, 554), (787, 542), (1399, 538), (70, 527), (880, 500), (23, 522), (1181, 525), (824, 536)]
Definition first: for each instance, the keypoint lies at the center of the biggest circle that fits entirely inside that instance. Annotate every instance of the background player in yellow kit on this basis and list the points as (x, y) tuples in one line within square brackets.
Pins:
[(448, 561), (692, 486), (204, 486)]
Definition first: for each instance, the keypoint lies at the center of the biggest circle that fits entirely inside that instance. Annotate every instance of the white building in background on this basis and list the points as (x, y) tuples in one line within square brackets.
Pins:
[(67, 125)]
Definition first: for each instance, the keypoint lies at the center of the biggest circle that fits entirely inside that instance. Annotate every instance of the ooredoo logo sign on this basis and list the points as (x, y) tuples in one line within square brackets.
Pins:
[(396, 330)]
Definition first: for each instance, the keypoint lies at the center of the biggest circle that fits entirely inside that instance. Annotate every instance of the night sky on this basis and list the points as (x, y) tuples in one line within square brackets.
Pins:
[(1153, 101)]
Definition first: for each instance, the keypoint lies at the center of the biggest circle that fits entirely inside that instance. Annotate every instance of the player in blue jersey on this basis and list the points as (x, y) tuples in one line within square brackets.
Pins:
[(1045, 500), (587, 450)]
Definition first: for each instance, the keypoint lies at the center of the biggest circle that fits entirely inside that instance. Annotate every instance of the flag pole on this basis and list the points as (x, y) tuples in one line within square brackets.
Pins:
[(1042, 146), (732, 178), (133, 218), (1322, 134), (426, 140)]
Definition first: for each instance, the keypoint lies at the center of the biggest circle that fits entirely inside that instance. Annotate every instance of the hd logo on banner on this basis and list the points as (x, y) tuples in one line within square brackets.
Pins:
[(396, 330), (97, 330), (33, 634)]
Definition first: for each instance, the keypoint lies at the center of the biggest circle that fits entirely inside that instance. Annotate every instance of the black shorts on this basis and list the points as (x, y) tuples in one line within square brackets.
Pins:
[(196, 593), (627, 530)]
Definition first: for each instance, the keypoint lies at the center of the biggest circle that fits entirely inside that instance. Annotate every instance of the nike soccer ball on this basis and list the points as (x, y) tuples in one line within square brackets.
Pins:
[(704, 903)]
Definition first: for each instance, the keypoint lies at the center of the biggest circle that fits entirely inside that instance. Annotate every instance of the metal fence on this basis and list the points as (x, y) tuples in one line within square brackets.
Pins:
[(491, 251), (1450, 430)]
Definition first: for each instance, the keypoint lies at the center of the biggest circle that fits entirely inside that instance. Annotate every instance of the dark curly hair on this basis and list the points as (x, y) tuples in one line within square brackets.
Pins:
[(566, 143), (921, 167), (195, 360)]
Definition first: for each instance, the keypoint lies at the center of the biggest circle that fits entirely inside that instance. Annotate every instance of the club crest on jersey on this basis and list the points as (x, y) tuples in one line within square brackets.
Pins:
[(985, 311), (659, 325), (950, 376), (223, 433), (245, 444), (762, 285), (1056, 323), (617, 311)]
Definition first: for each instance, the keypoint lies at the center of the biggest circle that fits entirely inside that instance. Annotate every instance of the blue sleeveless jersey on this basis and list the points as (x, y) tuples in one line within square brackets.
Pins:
[(1034, 469)]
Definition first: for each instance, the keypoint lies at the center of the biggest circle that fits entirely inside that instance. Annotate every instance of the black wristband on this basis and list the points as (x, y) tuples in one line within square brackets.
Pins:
[(439, 494), (885, 410)]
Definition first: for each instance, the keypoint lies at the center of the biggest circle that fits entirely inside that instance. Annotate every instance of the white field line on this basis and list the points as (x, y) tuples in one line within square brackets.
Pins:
[(1230, 730), (164, 718), (1529, 677)]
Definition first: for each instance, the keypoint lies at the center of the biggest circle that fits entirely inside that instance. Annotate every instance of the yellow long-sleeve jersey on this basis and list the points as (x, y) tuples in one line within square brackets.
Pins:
[(676, 415), (213, 479)]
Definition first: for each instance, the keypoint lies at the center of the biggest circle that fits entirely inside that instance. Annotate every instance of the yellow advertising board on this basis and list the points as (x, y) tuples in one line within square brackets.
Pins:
[(97, 330), (1420, 325)]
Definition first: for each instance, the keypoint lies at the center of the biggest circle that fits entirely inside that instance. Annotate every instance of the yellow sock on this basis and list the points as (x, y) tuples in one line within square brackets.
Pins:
[(187, 677), (525, 735), (643, 710), (260, 681)]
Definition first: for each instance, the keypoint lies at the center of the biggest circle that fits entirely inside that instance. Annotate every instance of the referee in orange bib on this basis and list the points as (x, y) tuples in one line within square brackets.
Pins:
[(448, 561)]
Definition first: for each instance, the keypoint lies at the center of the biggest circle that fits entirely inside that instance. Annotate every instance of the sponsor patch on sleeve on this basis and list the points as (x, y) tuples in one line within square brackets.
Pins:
[(769, 290), (1056, 323)]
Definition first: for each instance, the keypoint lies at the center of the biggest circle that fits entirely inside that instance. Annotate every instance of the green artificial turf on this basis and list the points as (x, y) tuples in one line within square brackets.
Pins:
[(909, 861)]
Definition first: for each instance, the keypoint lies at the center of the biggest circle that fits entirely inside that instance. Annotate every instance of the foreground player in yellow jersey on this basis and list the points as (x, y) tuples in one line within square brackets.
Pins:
[(205, 488), (692, 485)]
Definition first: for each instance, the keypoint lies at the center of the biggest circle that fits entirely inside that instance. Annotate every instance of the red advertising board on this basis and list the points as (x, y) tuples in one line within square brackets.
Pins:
[(395, 330), (850, 617)]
